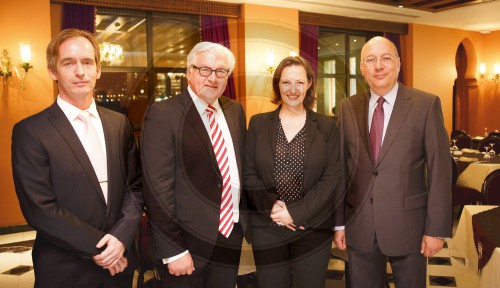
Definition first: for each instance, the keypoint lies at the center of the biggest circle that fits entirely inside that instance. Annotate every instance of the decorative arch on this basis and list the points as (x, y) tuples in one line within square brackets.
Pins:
[(465, 89)]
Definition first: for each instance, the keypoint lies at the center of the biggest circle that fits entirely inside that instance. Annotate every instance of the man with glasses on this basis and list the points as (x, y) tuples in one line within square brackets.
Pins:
[(395, 156), (191, 146)]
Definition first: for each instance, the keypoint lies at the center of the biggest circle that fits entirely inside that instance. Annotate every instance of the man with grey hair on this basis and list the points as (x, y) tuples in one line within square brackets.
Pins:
[(191, 149)]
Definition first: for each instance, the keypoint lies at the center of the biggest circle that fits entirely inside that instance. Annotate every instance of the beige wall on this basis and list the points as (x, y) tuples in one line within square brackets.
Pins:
[(265, 28), (489, 92), (21, 20), (432, 68)]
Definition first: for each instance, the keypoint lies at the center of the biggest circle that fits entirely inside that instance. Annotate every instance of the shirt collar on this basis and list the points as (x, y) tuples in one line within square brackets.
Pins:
[(72, 112), (390, 97), (201, 105)]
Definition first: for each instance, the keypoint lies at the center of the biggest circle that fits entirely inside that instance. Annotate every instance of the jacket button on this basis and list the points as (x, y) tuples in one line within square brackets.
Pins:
[(375, 173), (219, 185), (371, 200)]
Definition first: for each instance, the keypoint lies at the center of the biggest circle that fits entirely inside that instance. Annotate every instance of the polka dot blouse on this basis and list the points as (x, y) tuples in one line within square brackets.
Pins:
[(289, 165)]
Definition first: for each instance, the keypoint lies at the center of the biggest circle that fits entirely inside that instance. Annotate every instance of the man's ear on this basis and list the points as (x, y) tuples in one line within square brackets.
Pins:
[(52, 74)]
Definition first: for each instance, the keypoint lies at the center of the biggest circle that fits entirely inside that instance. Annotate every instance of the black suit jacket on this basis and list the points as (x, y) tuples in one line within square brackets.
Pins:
[(62, 200), (183, 184), (321, 170)]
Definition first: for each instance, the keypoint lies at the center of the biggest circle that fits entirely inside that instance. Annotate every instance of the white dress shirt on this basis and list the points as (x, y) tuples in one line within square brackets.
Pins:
[(72, 113)]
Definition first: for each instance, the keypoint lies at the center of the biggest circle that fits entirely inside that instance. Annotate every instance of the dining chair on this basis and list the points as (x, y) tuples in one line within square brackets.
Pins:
[(491, 189), (145, 262), (462, 195), (494, 134), (456, 133), (463, 141), (487, 141)]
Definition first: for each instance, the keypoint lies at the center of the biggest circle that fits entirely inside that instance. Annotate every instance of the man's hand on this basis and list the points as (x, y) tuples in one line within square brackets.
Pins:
[(431, 245), (339, 239), (181, 266), (120, 265), (113, 252)]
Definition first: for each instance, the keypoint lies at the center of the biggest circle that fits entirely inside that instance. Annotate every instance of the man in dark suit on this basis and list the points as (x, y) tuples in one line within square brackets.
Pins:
[(77, 177), (192, 192), (395, 153)]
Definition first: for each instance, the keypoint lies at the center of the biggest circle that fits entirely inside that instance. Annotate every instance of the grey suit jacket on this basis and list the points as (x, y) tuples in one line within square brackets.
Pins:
[(321, 170), (62, 200), (183, 184), (406, 193)]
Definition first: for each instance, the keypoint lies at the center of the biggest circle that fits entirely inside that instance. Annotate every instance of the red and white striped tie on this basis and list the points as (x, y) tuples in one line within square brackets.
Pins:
[(226, 222)]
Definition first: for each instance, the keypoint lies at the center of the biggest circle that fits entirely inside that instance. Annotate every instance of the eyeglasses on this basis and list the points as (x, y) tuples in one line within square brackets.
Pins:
[(287, 85), (206, 72), (385, 59)]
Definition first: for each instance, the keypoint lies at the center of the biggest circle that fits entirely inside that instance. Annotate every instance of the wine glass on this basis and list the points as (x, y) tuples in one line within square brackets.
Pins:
[(492, 152), (454, 146), (487, 155)]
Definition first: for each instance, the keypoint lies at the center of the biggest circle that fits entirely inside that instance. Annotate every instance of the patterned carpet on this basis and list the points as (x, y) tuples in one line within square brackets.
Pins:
[(16, 270)]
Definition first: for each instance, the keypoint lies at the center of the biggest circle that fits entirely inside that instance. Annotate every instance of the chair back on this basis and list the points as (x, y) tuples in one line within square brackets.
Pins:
[(486, 142), (491, 188), (494, 134), (454, 173), (463, 141), (456, 133)]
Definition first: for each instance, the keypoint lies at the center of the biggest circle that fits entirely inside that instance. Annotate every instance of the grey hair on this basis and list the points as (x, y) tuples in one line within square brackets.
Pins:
[(206, 46)]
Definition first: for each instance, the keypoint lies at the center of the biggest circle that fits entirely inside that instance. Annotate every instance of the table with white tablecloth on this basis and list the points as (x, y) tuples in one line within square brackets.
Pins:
[(473, 176), (463, 246)]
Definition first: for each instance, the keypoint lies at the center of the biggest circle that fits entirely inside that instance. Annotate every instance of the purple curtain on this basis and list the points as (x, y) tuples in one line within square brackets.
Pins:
[(396, 39), (79, 17), (309, 45), (215, 29)]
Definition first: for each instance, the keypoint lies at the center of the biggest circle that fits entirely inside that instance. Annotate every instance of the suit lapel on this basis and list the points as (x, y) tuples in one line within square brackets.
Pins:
[(232, 123), (113, 148), (311, 127), (62, 124), (361, 110), (272, 129), (399, 112), (193, 119)]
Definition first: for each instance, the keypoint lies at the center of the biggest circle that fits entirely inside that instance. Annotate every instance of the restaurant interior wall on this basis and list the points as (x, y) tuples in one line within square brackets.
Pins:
[(281, 26), (489, 91), (21, 20), (433, 66)]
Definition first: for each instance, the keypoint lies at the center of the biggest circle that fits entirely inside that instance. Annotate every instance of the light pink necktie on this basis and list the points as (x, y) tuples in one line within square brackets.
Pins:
[(377, 128), (94, 150), (226, 221)]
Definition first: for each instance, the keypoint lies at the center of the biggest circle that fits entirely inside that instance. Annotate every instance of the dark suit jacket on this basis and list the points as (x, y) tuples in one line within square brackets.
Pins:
[(406, 193), (183, 184), (62, 200), (321, 170)]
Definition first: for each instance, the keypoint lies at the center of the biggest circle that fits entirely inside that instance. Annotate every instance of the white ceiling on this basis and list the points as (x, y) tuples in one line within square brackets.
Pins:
[(483, 17)]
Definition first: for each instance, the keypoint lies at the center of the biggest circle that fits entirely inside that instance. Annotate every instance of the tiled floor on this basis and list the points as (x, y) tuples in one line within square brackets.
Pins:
[(16, 270)]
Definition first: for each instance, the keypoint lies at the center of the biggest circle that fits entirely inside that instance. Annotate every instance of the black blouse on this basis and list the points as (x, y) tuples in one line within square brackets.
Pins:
[(289, 165)]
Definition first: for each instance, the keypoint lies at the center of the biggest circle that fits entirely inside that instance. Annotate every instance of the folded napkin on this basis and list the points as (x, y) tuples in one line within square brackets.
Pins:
[(467, 150), (468, 159)]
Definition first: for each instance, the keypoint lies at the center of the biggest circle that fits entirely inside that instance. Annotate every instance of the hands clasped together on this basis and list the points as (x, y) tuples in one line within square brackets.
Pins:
[(281, 216), (112, 257)]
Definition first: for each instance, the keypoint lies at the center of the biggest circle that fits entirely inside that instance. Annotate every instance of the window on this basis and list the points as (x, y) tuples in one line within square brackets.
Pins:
[(143, 58), (339, 54)]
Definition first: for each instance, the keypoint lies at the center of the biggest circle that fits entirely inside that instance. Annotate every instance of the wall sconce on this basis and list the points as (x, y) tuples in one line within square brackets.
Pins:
[(25, 49), (270, 62), (5, 66), (494, 77), (482, 70)]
